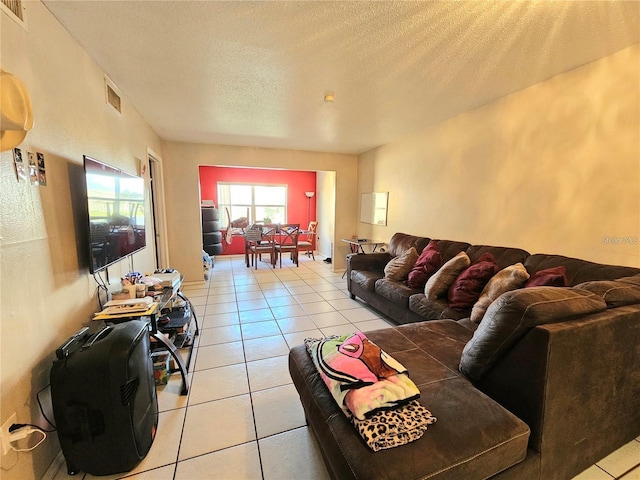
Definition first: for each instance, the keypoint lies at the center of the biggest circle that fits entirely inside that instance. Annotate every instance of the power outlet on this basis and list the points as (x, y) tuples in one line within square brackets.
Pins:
[(4, 433)]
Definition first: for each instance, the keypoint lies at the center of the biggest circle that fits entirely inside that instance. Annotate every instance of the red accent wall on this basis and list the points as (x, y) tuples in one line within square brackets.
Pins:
[(297, 183)]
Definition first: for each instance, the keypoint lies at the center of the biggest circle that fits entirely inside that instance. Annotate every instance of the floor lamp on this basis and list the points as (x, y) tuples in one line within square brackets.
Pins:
[(309, 195)]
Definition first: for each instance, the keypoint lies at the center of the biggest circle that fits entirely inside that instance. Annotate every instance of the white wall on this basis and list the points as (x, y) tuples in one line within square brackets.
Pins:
[(554, 168), (46, 292), (326, 212), (181, 161)]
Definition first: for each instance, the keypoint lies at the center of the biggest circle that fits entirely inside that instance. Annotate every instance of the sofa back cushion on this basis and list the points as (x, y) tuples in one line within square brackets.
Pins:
[(503, 256), (635, 279), (450, 248), (401, 242), (615, 294), (578, 271), (513, 314)]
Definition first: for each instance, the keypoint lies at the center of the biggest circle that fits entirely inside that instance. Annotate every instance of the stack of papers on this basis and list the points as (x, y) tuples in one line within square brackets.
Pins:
[(130, 305)]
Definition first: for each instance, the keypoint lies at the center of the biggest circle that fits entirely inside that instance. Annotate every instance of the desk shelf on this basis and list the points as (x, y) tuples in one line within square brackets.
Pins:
[(155, 310)]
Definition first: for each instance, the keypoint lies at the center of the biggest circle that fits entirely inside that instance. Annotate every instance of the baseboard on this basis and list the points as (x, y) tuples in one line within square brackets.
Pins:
[(57, 463)]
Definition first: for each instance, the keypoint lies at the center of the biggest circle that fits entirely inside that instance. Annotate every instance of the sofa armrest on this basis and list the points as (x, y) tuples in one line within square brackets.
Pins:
[(368, 262)]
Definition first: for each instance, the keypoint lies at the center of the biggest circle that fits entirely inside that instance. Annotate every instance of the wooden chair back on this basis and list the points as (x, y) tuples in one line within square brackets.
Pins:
[(287, 240)]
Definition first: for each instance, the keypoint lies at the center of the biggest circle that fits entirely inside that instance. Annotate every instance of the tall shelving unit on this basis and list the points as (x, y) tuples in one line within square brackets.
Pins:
[(211, 234)]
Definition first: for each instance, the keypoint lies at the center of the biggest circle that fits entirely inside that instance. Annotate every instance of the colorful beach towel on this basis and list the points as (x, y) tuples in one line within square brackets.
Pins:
[(361, 377), (372, 389)]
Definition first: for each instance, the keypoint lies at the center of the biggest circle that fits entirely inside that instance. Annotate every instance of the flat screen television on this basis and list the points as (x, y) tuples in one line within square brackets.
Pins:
[(116, 206)]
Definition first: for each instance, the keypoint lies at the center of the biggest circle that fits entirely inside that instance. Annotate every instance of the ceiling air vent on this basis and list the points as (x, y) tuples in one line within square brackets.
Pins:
[(112, 96), (15, 9)]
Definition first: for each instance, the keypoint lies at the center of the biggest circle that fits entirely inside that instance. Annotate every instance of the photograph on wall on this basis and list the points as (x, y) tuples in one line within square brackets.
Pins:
[(42, 176), (20, 167), (33, 169)]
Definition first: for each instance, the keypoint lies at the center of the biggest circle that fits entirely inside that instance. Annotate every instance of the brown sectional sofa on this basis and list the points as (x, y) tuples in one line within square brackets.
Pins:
[(365, 276), (546, 385)]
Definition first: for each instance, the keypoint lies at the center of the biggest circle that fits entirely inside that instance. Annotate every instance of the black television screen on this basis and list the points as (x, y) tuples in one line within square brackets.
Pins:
[(116, 202)]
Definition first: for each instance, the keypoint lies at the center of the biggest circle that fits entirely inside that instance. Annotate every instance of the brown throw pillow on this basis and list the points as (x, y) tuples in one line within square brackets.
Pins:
[(505, 280), (429, 261), (440, 281), (399, 267)]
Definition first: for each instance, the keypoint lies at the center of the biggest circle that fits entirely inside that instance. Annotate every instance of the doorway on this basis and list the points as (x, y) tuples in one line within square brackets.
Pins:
[(158, 210)]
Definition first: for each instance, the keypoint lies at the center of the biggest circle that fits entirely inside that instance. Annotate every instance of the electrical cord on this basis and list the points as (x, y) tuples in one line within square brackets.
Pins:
[(44, 415), (102, 287), (20, 431), (17, 426)]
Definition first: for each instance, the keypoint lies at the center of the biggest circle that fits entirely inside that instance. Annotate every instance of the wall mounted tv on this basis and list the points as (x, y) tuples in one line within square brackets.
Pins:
[(116, 206)]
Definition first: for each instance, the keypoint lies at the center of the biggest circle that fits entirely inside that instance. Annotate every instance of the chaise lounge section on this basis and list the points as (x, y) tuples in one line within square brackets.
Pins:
[(545, 386)]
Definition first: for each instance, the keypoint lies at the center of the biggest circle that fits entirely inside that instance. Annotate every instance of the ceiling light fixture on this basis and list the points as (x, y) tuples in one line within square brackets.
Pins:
[(329, 98)]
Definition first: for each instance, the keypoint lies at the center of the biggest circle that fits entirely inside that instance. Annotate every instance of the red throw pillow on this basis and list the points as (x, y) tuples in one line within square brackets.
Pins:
[(466, 289), (428, 263), (549, 277)]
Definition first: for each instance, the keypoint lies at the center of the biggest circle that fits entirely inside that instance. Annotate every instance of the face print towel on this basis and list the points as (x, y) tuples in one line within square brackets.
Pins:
[(373, 390), (361, 377)]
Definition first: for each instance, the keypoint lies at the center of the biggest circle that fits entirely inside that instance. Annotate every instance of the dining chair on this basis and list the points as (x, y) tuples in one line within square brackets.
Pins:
[(308, 244), (287, 241), (264, 244)]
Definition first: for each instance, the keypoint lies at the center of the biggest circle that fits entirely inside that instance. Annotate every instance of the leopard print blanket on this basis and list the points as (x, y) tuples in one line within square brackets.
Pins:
[(392, 428)]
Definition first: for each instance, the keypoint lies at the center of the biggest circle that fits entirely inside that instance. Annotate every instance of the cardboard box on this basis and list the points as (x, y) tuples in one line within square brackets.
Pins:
[(161, 367)]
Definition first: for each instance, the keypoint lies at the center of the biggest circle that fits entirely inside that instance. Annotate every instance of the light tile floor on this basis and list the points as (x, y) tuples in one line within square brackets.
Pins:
[(242, 418)]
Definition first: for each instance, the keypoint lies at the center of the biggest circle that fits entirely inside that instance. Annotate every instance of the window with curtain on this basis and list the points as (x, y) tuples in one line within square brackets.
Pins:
[(259, 203)]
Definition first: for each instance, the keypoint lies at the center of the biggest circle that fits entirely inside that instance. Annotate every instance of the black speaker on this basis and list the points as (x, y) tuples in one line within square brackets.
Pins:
[(104, 398)]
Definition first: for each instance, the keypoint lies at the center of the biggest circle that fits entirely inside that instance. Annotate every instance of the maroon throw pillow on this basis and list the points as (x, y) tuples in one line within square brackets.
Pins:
[(466, 289), (549, 277), (428, 263)]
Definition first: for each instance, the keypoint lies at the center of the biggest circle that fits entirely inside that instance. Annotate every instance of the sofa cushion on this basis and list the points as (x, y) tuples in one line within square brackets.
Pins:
[(428, 263), (401, 242), (507, 279), (366, 278), (513, 314), (433, 309), (450, 248), (549, 277), (395, 291), (635, 279), (467, 287), (439, 283), (578, 271), (499, 437), (503, 256), (615, 294), (399, 267)]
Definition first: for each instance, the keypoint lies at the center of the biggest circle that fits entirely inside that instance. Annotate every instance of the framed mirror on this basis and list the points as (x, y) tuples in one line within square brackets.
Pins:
[(373, 208)]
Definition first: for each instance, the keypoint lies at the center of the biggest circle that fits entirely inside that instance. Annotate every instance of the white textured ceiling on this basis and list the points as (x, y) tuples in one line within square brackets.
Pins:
[(255, 73)]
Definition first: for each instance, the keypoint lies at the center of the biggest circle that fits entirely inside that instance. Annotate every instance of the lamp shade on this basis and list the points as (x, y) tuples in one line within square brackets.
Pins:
[(309, 194)]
